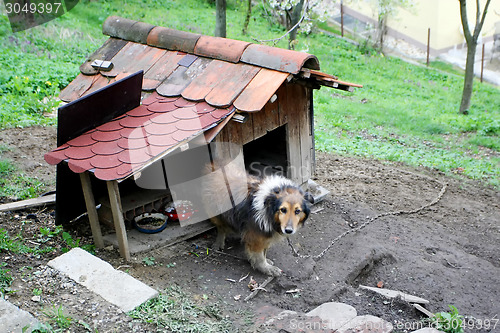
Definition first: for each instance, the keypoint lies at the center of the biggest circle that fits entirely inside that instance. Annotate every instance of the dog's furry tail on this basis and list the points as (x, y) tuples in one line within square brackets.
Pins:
[(225, 186)]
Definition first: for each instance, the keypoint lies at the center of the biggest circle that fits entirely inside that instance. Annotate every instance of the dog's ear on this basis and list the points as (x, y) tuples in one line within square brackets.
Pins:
[(272, 203), (309, 197)]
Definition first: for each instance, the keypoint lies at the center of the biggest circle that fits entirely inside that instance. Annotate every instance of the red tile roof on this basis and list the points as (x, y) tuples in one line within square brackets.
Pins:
[(192, 82), (118, 148)]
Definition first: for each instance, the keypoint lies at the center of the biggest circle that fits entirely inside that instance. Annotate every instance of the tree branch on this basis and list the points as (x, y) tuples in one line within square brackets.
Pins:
[(465, 22), (276, 40), (478, 13), (479, 24)]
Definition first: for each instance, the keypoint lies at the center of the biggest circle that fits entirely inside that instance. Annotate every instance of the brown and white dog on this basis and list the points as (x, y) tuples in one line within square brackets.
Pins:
[(265, 211)]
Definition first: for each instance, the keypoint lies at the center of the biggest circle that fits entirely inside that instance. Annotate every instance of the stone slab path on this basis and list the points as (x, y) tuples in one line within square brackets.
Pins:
[(13, 319), (100, 277)]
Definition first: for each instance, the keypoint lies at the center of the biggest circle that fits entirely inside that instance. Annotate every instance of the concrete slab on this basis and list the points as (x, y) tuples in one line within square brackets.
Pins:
[(366, 324), (140, 242), (13, 319), (101, 278), (335, 315)]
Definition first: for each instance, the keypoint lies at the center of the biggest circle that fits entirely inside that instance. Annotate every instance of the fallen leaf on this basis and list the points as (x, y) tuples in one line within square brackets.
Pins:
[(252, 284)]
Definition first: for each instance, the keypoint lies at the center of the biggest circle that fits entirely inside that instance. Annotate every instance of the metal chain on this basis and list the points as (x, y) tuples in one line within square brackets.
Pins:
[(394, 213)]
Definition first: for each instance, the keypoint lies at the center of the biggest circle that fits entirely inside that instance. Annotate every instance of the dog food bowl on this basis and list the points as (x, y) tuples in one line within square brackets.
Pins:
[(150, 223), (179, 210)]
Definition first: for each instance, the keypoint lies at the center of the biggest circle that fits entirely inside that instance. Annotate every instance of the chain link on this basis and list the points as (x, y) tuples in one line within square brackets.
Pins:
[(393, 213)]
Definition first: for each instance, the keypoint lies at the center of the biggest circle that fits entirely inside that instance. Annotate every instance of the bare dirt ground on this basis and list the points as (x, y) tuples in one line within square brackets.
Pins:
[(447, 253)]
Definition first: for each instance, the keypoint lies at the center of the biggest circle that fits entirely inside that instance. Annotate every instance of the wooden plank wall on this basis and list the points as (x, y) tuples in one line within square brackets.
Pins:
[(291, 108)]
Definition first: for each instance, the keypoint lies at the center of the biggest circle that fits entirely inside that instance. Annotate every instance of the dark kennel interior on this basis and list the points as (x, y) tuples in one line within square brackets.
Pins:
[(267, 155)]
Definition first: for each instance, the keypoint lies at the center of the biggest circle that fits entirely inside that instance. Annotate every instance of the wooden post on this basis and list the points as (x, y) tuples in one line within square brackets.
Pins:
[(295, 98), (91, 210), (482, 64), (116, 208), (428, 44), (342, 18)]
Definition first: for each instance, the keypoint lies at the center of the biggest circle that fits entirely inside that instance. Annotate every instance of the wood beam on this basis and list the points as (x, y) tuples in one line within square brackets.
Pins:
[(91, 210), (116, 208)]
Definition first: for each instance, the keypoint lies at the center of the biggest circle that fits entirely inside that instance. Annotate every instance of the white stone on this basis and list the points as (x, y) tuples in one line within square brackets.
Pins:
[(335, 315), (101, 278), (366, 324), (13, 319), (394, 293)]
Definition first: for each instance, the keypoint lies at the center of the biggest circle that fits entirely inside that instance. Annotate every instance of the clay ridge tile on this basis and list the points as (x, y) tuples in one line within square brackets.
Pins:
[(123, 28), (225, 49), (174, 40), (220, 48), (282, 60)]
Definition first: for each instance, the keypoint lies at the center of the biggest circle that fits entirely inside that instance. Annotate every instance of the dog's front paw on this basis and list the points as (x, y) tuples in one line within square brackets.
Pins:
[(271, 270), (270, 262), (218, 246)]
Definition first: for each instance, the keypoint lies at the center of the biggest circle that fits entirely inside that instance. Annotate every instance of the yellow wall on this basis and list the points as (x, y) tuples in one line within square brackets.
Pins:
[(441, 16)]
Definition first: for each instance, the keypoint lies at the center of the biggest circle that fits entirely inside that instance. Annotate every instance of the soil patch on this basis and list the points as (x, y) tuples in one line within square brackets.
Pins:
[(446, 253)]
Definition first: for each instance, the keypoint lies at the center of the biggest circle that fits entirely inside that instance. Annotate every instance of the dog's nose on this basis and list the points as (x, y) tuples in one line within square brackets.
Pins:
[(289, 230)]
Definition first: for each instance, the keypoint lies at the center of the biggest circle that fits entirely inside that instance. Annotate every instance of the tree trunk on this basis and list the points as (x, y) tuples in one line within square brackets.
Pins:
[(247, 17), (381, 32), (220, 18), (295, 17), (469, 77), (471, 39)]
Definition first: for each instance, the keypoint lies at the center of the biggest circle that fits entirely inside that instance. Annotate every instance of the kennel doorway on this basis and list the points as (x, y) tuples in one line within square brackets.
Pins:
[(267, 155)]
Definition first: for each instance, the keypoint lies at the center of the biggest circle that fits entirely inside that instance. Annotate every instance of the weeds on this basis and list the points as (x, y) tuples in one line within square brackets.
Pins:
[(5, 280), (46, 234), (16, 185), (175, 311), (449, 322), (17, 244), (72, 243), (57, 317), (14, 245), (149, 261)]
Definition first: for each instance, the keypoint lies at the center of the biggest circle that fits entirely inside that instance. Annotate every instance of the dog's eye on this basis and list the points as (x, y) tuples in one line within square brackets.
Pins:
[(297, 211), (283, 210)]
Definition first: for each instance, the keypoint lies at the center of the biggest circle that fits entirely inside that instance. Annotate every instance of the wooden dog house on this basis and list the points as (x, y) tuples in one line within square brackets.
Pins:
[(148, 91)]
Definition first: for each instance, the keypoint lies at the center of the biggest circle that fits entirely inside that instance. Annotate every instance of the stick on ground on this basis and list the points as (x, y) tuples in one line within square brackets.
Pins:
[(262, 286)]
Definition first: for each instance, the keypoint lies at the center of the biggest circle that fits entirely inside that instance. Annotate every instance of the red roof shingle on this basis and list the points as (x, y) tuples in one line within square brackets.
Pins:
[(123, 145)]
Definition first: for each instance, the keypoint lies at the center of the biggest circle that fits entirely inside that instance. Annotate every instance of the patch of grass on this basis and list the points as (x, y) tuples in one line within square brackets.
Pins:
[(175, 311), (5, 280), (57, 317), (446, 67), (47, 234), (12, 244), (72, 243), (405, 113), (17, 244), (17, 185)]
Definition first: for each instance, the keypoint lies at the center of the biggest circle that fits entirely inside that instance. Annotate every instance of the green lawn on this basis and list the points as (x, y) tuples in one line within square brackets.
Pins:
[(404, 113)]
